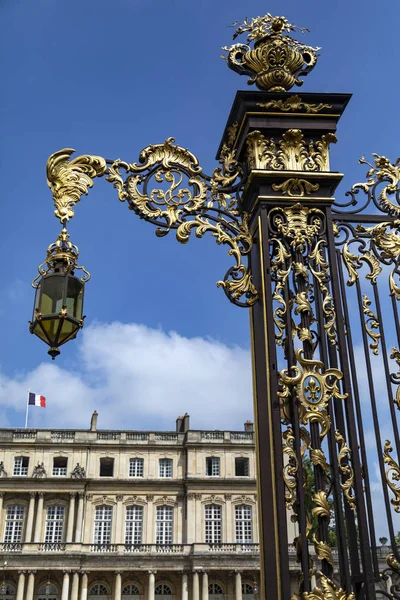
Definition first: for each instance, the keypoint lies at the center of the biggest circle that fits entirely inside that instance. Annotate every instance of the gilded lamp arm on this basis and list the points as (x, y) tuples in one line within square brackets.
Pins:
[(168, 188)]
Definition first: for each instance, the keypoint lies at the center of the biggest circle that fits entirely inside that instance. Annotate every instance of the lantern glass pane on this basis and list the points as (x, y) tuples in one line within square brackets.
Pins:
[(39, 332), (67, 329), (52, 294), (51, 328), (74, 300)]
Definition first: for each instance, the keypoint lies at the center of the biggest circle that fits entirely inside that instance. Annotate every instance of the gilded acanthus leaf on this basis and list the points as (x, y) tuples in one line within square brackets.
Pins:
[(318, 457), (371, 324), (292, 104), (395, 354), (290, 467), (69, 179), (344, 457), (323, 551), (327, 591), (389, 174), (292, 153), (321, 508), (392, 475), (295, 187)]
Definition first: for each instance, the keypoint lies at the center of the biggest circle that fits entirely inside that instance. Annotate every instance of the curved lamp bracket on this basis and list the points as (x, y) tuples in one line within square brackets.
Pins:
[(168, 188)]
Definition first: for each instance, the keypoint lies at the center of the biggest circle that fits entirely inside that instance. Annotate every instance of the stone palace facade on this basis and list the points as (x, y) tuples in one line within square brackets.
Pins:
[(122, 515)]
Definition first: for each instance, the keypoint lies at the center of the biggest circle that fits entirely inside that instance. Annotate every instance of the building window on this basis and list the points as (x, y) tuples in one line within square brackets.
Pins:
[(212, 466), (214, 589), (10, 592), (133, 525), (102, 524), (48, 591), (243, 524), (98, 590), (241, 467), (165, 467), (136, 467), (54, 524), (60, 464), (21, 464), (213, 524), (106, 467), (163, 590), (14, 524), (247, 588), (164, 522), (130, 590)]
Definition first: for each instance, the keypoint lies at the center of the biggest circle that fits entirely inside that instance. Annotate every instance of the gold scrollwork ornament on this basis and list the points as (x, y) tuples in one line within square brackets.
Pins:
[(292, 104), (327, 591), (371, 323), (69, 179), (392, 475), (296, 187), (346, 470), (314, 387)]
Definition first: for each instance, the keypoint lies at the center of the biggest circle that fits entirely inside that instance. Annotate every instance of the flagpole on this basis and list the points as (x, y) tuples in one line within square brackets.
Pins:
[(27, 410)]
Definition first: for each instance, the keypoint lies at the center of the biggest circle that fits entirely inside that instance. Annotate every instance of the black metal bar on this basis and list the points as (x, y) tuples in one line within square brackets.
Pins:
[(368, 577), (357, 404)]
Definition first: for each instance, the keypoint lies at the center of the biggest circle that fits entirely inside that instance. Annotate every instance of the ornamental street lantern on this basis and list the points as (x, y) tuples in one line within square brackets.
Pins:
[(58, 309)]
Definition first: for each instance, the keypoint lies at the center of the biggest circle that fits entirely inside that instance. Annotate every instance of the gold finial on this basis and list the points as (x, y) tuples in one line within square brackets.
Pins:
[(276, 60)]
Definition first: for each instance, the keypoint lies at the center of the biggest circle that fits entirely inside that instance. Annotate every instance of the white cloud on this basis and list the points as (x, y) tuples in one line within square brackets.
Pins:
[(138, 377)]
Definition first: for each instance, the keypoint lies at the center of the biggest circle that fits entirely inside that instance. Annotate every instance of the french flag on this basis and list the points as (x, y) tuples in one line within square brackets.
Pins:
[(36, 400)]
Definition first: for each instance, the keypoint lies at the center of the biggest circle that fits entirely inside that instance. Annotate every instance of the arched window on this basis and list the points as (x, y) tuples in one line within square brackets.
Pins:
[(164, 523), (98, 592), (163, 590), (102, 524), (130, 592), (47, 591), (215, 591), (10, 593), (54, 524), (243, 524), (213, 523), (133, 525), (248, 591), (14, 524)]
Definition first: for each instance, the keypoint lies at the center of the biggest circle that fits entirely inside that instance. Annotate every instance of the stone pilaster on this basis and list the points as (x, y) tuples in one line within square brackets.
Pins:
[(31, 513), (21, 585), (71, 517), (79, 518), (84, 587), (65, 586), (238, 585), (117, 585), (39, 518), (31, 585), (152, 585), (204, 586)]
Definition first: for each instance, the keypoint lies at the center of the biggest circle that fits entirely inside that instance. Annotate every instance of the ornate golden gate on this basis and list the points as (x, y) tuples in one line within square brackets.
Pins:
[(322, 287)]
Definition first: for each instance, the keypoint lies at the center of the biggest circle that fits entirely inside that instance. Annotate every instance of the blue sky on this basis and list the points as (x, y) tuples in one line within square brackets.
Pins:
[(109, 78)]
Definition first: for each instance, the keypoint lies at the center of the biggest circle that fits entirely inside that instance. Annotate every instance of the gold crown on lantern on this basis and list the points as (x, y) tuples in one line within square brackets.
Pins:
[(276, 60)]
